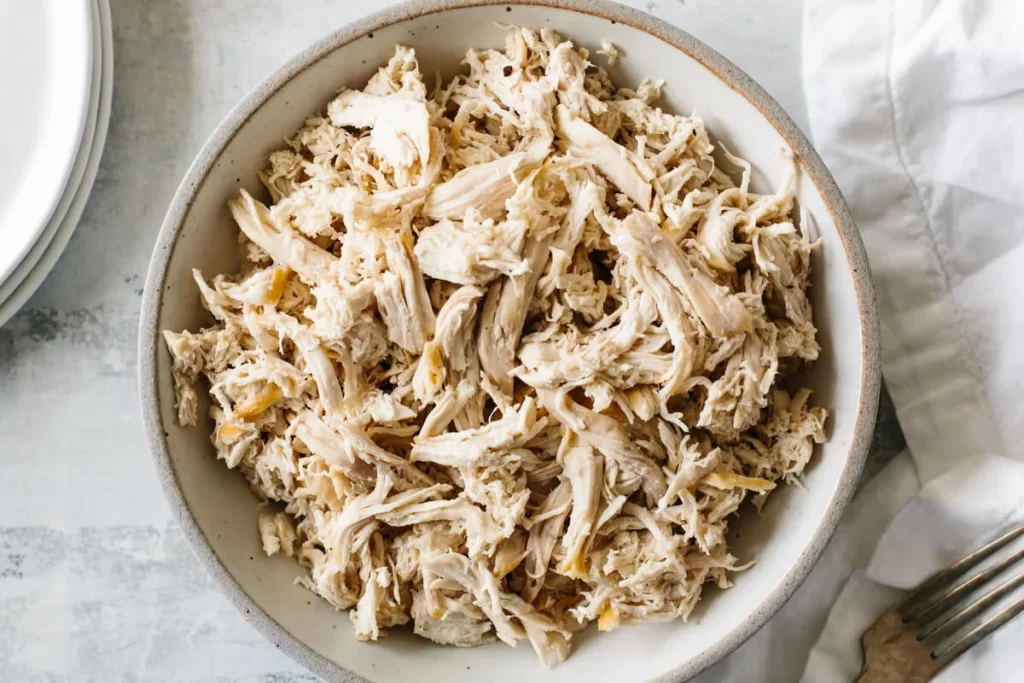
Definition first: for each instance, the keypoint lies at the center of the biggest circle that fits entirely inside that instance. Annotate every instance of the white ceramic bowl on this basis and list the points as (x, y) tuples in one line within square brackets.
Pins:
[(218, 513)]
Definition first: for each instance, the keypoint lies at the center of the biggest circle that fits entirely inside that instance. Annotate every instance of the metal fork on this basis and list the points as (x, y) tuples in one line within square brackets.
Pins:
[(914, 641)]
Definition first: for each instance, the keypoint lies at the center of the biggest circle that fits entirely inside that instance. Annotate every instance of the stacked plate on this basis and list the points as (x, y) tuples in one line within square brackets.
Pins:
[(56, 91)]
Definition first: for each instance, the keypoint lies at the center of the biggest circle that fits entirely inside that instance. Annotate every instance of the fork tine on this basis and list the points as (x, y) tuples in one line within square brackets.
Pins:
[(944, 577), (977, 634), (925, 612), (943, 629)]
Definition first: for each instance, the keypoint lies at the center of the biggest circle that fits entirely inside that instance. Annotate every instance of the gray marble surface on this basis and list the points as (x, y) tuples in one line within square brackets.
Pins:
[(96, 583)]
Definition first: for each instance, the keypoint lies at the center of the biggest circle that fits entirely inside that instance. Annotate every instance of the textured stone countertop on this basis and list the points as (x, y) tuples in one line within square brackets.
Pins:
[(96, 583)]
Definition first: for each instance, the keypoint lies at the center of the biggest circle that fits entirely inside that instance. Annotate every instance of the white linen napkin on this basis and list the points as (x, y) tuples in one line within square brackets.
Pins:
[(917, 107)]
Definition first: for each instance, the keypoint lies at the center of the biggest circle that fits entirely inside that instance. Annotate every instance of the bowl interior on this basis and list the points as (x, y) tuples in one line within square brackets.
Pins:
[(780, 539)]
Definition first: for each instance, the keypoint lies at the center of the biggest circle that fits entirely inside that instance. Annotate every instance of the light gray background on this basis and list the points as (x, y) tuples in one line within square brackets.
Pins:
[(96, 583)]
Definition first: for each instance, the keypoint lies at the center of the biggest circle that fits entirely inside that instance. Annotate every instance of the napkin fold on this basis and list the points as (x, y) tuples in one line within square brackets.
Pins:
[(917, 107)]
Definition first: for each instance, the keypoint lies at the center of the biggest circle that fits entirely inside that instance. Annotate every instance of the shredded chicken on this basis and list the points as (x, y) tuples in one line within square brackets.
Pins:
[(504, 358)]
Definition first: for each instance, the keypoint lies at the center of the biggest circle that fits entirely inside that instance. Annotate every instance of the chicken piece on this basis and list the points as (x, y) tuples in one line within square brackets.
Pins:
[(450, 346), (345, 535), (528, 92), (720, 311), (624, 168), (666, 543), (548, 639), (365, 614), (312, 263), (344, 445), (794, 428), (277, 533), (337, 310), (403, 300), (689, 471), (483, 188), (642, 401), (318, 364), (263, 287), (585, 472), (551, 364), (734, 401), (476, 580), (459, 623), (569, 68), (609, 52), (586, 198), (470, 253), (551, 642), (321, 440), (455, 329), (482, 533), (504, 312), (400, 127), (282, 178), (258, 380), (501, 490), (447, 407), (365, 448), (717, 229), (607, 436), (255, 405), (483, 447), (189, 359), (783, 255), (224, 308), (509, 554), (777, 253), (486, 187), (401, 74), (676, 321), (731, 480), (549, 521), (271, 468)]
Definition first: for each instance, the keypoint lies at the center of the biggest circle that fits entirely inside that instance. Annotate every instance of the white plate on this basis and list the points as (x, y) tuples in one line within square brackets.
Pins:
[(34, 268), (47, 47)]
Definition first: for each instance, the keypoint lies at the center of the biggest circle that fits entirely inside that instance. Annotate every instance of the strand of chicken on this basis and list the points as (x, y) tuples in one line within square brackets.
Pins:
[(504, 357)]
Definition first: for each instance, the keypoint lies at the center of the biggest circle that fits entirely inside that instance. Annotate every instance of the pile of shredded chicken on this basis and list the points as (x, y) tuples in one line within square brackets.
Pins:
[(503, 357)]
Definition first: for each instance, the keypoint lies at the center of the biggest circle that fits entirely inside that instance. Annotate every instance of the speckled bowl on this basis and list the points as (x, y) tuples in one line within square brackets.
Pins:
[(218, 513)]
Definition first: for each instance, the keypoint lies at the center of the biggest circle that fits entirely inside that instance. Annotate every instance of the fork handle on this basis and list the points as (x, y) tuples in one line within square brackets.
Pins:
[(898, 674), (886, 676), (892, 653)]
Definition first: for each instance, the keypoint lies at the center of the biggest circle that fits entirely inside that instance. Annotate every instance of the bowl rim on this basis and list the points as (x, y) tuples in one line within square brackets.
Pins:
[(732, 76)]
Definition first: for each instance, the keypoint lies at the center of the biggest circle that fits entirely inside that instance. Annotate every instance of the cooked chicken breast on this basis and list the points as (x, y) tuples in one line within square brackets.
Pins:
[(503, 358)]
